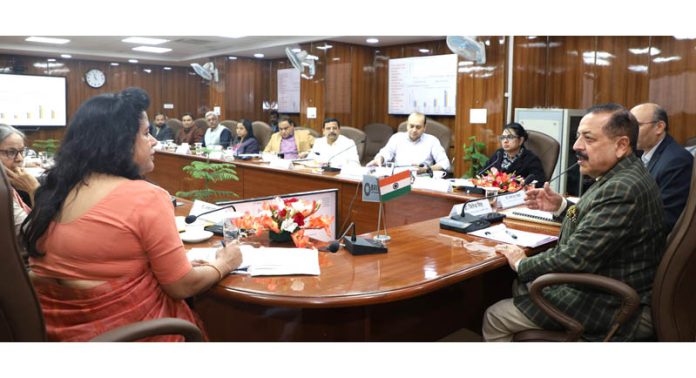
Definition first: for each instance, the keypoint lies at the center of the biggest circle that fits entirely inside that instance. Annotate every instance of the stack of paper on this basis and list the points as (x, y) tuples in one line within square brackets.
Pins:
[(502, 234), (268, 261)]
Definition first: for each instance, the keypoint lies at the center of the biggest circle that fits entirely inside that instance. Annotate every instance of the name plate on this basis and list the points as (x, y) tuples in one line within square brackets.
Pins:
[(511, 200), (479, 207), (281, 164), (215, 154), (428, 183), (184, 149)]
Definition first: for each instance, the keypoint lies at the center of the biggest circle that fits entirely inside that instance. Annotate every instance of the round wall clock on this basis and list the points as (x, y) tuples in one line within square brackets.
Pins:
[(95, 78)]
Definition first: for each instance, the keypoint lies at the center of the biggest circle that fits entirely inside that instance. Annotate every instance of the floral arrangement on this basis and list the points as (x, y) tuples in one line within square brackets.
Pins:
[(287, 215), (505, 182)]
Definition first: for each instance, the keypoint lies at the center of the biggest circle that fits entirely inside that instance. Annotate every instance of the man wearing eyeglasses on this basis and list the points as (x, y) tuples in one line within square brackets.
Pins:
[(668, 162)]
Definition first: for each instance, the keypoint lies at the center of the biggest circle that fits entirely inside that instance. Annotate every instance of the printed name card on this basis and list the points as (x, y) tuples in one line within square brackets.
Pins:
[(479, 207), (428, 183), (184, 149), (511, 200), (281, 164)]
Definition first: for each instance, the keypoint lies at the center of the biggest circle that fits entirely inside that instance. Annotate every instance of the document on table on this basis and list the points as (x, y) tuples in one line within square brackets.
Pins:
[(266, 261), (501, 233)]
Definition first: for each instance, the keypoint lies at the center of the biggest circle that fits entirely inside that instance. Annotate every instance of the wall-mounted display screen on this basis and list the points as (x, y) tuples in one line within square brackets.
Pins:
[(33, 100), (425, 84)]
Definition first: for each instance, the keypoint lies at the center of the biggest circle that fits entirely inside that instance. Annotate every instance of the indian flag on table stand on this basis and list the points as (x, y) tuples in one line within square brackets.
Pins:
[(395, 186)]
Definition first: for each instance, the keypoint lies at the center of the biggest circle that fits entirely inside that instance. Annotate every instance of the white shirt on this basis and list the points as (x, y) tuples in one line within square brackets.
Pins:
[(212, 136), (647, 155), (340, 152), (403, 151)]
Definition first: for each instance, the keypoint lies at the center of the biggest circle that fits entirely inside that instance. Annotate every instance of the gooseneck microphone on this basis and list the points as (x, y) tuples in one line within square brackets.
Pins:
[(497, 157), (192, 218), (564, 172), (335, 245), (328, 167)]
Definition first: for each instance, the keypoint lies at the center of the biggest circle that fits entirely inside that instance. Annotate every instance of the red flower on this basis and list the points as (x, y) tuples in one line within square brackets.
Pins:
[(299, 219), (289, 201), (282, 213)]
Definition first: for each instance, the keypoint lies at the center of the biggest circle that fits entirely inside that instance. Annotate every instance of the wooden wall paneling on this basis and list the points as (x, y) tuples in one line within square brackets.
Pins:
[(245, 88), (529, 72), (363, 86), (481, 86), (312, 91), (217, 90), (338, 84), (673, 83), (622, 70), (571, 72)]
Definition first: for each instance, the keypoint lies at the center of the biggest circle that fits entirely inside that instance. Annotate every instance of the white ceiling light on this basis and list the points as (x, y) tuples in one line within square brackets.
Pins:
[(152, 49), (167, 68), (114, 64), (325, 47), (132, 60), (233, 36), (296, 50), (147, 70), (55, 41), (372, 40), (424, 51), (232, 57), (65, 56), (258, 55), (51, 60), (145, 41)]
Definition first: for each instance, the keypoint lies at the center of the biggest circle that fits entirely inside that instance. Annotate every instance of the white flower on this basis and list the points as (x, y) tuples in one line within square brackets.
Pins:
[(288, 225)]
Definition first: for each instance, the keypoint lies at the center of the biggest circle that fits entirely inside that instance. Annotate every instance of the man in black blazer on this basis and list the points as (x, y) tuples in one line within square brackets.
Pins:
[(668, 162)]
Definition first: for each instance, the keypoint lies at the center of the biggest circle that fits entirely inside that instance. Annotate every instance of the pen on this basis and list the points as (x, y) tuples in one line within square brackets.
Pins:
[(510, 233), (223, 243)]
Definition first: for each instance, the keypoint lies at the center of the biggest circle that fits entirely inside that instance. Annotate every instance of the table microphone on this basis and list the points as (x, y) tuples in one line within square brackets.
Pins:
[(192, 218), (497, 157), (335, 245), (328, 167)]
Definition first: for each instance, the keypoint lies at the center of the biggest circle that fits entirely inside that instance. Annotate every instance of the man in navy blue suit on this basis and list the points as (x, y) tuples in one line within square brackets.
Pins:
[(668, 162)]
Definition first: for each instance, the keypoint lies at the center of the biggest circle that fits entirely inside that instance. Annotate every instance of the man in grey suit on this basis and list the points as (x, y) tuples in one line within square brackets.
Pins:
[(610, 231), (668, 162)]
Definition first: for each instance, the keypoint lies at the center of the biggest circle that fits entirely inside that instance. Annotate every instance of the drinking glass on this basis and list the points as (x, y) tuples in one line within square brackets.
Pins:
[(230, 231)]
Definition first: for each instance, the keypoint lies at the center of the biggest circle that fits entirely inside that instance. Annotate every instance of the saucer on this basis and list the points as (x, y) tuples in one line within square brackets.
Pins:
[(195, 237)]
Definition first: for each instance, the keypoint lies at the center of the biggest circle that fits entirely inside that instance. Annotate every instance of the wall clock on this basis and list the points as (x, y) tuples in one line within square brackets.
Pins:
[(95, 78)]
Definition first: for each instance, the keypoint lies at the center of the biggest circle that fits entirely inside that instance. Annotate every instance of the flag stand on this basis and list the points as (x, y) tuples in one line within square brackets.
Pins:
[(384, 237)]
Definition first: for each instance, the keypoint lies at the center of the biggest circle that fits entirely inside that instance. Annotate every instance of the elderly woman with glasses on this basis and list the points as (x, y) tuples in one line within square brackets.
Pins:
[(513, 157), (12, 157)]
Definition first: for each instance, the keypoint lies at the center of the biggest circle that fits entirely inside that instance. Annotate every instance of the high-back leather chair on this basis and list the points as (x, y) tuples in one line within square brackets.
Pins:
[(313, 132), (377, 135), (358, 137), (262, 132), (201, 123), (690, 142), (545, 148), (673, 301), (230, 125), (175, 125), (436, 129), (20, 312)]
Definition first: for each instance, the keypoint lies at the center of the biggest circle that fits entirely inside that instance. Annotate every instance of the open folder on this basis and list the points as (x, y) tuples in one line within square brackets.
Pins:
[(503, 234), (266, 261)]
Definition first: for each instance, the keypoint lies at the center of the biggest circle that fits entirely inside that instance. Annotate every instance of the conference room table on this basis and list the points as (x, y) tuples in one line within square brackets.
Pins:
[(258, 179), (430, 283)]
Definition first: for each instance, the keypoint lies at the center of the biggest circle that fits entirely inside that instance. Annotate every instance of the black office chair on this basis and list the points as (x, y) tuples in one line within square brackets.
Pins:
[(673, 300), (20, 313)]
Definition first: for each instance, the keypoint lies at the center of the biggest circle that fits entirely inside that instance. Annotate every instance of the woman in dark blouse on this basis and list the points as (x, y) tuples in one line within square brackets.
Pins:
[(513, 157), (245, 143)]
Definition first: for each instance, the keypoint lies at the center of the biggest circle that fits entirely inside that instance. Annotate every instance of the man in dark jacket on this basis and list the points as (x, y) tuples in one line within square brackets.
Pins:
[(610, 232), (668, 162)]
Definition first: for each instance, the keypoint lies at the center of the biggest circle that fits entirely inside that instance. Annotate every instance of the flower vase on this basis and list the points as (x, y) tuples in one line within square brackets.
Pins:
[(282, 237)]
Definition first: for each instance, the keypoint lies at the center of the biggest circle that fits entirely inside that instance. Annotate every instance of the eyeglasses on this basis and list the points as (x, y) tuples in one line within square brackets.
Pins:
[(507, 137), (12, 153)]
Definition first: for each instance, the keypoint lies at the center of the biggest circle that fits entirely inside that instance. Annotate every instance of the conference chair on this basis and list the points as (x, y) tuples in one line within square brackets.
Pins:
[(377, 135), (546, 148), (175, 125), (201, 123), (230, 125), (358, 137), (262, 132), (673, 301), (20, 313), (313, 132), (690, 142), (436, 129)]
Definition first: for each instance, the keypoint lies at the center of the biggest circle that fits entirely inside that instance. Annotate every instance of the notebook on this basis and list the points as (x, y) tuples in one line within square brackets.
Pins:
[(536, 216)]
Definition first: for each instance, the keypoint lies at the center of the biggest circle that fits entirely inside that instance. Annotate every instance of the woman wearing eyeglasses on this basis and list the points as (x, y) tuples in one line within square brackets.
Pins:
[(12, 157), (513, 157)]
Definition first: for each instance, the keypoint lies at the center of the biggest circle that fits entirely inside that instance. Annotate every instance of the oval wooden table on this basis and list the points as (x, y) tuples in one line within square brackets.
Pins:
[(429, 284)]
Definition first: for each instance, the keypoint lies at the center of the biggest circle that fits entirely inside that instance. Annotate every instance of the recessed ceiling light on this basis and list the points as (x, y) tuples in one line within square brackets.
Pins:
[(132, 60), (114, 64), (424, 51), (152, 49), (372, 40), (232, 57), (167, 68), (51, 60), (325, 47), (296, 50), (65, 56), (56, 41), (147, 70), (145, 40), (258, 55)]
